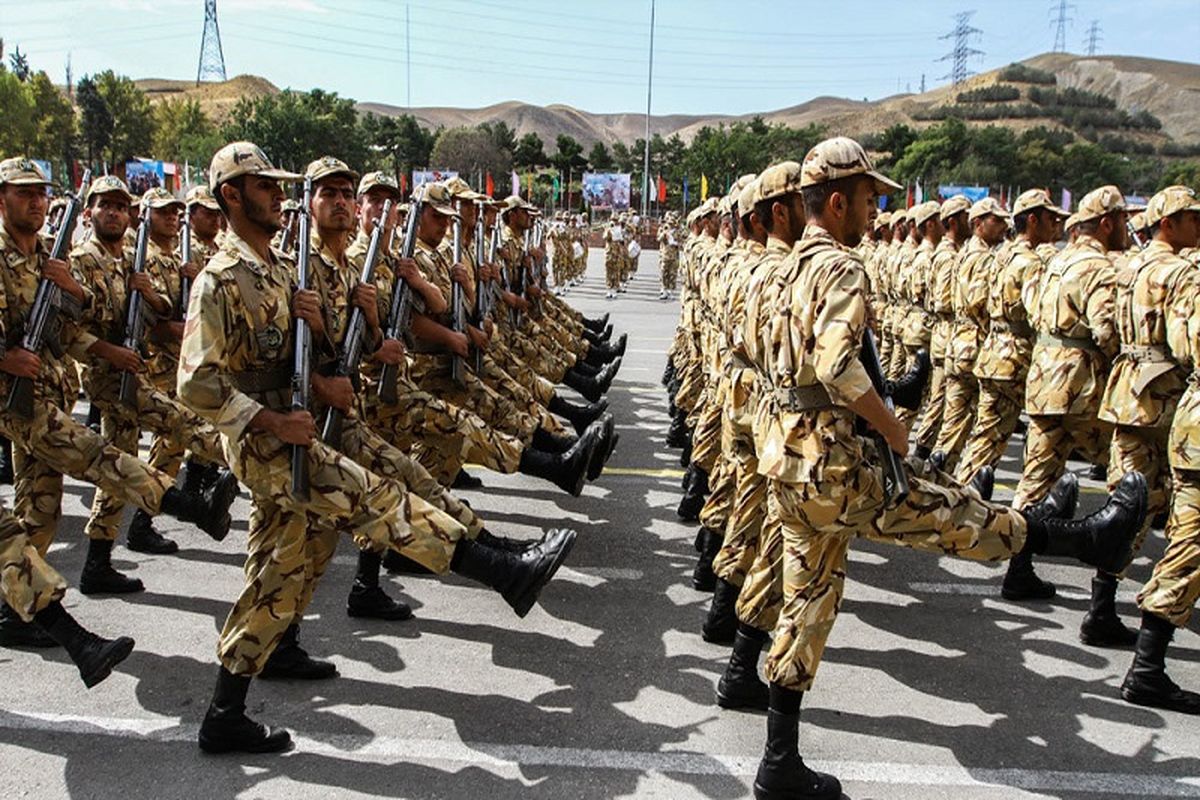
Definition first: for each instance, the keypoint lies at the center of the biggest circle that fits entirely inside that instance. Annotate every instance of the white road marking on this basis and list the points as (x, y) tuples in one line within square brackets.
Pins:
[(390, 749), (993, 590)]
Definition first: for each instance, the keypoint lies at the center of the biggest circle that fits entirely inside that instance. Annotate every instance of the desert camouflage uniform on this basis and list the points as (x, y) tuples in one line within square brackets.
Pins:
[(668, 255), (900, 266), (614, 254), (691, 371), (706, 436), (166, 452), (1003, 361), (941, 304), (823, 477), (1076, 339), (916, 327), (27, 583), (970, 293), (235, 361), (886, 311)]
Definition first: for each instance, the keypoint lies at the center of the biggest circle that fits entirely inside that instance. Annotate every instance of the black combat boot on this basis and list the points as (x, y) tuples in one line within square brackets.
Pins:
[(1103, 539), (782, 773), (486, 539), (1020, 581), (1147, 682), (579, 415), (685, 456), (668, 372), (367, 599), (678, 434), (227, 729), (703, 577), (196, 476), (585, 368), (694, 495), (465, 480), (922, 452), (142, 538), (596, 324), (606, 442), (208, 510), (567, 471), (605, 352), (740, 686), (290, 661), (906, 391), (1101, 626), (587, 385), (16, 632), (400, 564), (594, 338), (94, 655), (518, 577), (984, 483), (6, 462), (553, 442), (721, 623), (93, 417), (100, 577)]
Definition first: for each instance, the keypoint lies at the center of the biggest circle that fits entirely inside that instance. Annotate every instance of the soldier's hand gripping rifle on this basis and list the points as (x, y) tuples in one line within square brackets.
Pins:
[(539, 266), (458, 310), (43, 325), (1134, 236), (400, 315), (185, 259), (517, 281), (356, 329), (302, 353), (481, 291), (895, 480), (135, 312)]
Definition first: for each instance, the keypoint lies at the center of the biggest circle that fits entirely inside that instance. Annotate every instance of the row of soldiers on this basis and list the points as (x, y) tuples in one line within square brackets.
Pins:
[(796, 436), (343, 371), (622, 251), (569, 236)]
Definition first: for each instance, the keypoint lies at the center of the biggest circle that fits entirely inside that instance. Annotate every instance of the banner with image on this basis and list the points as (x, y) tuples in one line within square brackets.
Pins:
[(420, 176), (972, 193), (142, 176), (606, 189)]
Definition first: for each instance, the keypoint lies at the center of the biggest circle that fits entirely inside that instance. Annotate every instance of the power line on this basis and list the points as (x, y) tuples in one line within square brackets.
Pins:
[(962, 52), (212, 58), (1093, 37), (1060, 21)]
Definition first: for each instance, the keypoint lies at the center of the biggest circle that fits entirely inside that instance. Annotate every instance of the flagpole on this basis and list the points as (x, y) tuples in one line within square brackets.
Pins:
[(649, 86)]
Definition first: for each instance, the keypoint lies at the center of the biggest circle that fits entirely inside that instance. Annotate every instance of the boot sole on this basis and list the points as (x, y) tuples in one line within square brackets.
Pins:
[(386, 617), (267, 746), (763, 793), (152, 550), (530, 596), (114, 654), (226, 497), (1153, 701), (732, 703), (89, 590)]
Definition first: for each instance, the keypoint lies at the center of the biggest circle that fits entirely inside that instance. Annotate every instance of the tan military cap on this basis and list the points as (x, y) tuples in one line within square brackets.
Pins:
[(1098, 202), (243, 158), (463, 191), (882, 219), (328, 166), (158, 197), (1170, 200), (22, 172), (290, 205), (955, 205), (107, 184), (778, 180), (378, 179), (922, 213), (438, 197), (1138, 221), (201, 196), (515, 201), (741, 183), (746, 198), (988, 205), (1036, 198), (1071, 222), (841, 157)]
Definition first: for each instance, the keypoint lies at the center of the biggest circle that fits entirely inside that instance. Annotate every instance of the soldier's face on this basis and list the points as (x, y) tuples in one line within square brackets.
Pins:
[(24, 207), (110, 216), (164, 222), (205, 222), (860, 205), (262, 202), (469, 213), (1184, 229), (433, 226), (370, 206), (1120, 234), (333, 204), (990, 228)]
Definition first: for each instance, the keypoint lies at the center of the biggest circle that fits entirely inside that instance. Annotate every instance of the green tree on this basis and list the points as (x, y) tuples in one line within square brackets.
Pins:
[(530, 152), (600, 159), (182, 133), (20, 65), (294, 128), (96, 121), (470, 151), (54, 138), (18, 122), (400, 142), (132, 118), (502, 136)]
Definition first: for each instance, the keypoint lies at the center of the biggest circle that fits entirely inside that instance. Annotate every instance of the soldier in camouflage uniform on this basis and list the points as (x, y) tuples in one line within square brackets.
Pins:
[(1168, 599), (917, 327), (953, 216), (104, 268), (826, 480), (669, 240), (49, 443), (235, 371), (614, 254)]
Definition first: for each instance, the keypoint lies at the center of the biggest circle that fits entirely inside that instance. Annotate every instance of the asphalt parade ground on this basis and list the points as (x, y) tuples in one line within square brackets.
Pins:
[(932, 685)]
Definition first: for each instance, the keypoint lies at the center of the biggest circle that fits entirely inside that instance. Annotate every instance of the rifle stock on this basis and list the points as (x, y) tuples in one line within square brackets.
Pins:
[(135, 324), (302, 356), (895, 480), (185, 258), (457, 302), (400, 315)]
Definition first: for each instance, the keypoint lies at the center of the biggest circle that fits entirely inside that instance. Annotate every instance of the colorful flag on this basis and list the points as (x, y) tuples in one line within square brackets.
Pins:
[(662, 190), (491, 185), (919, 194), (404, 183), (1066, 200), (557, 189), (910, 197), (703, 188)]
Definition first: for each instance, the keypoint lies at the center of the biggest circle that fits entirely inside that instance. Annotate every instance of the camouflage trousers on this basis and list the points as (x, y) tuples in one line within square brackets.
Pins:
[(612, 267), (958, 412), (908, 415), (761, 598), (887, 341), (28, 584), (121, 425), (744, 525), (691, 379), (442, 437), (1174, 586), (821, 517), (50, 444), (1048, 444), (541, 388), (507, 386), (495, 409), (544, 360), (291, 540), (166, 451), (722, 484), (669, 271), (706, 440), (565, 314), (935, 401), (996, 415), (1143, 450)]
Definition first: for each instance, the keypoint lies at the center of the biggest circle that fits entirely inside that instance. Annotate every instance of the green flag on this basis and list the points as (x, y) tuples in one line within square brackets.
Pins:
[(557, 189)]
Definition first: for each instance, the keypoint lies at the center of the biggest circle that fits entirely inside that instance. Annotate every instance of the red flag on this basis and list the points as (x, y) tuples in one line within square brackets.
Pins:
[(404, 183), (491, 187), (662, 190), (910, 197)]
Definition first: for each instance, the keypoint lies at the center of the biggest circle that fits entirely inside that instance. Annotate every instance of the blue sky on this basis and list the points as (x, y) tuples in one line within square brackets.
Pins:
[(711, 56)]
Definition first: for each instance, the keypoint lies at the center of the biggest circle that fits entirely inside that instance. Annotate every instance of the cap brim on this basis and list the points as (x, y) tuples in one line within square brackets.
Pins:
[(884, 184), (166, 204), (28, 182), (211, 205), (442, 208), (279, 175)]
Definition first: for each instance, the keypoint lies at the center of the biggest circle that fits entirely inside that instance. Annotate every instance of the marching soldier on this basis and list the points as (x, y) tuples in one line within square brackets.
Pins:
[(826, 481), (668, 254)]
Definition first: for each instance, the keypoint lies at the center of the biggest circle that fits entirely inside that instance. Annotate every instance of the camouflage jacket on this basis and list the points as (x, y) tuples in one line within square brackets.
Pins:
[(941, 297), (1183, 337), (1008, 346), (918, 323), (1146, 381), (163, 267), (761, 292), (969, 300), (814, 339), (1076, 332)]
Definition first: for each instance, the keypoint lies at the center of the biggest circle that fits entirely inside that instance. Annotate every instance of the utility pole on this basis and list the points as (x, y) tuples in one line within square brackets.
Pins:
[(70, 80), (649, 86), (962, 52), (1060, 10), (1093, 37), (212, 59)]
